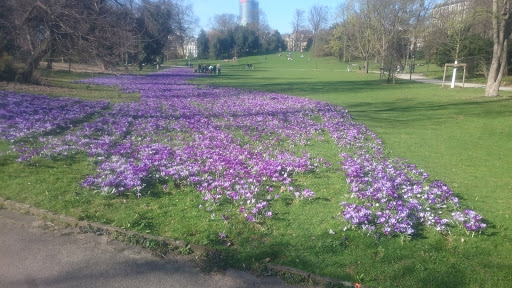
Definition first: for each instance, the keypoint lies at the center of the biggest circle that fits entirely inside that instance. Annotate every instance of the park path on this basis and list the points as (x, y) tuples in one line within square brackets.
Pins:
[(35, 253), (423, 79)]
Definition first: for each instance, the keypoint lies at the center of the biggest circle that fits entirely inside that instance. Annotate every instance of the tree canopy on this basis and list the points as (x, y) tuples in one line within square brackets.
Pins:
[(228, 39), (105, 32)]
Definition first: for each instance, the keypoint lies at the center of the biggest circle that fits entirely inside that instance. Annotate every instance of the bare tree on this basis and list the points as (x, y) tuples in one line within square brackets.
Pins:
[(450, 27), (359, 29), (107, 32), (318, 18), (337, 44), (52, 27), (224, 22), (298, 20), (338, 40), (298, 25), (183, 22), (419, 25), (501, 28), (6, 26), (263, 26), (67, 29), (391, 22), (110, 38)]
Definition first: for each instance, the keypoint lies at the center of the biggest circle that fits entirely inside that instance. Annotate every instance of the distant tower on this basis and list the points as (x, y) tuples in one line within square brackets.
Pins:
[(249, 12)]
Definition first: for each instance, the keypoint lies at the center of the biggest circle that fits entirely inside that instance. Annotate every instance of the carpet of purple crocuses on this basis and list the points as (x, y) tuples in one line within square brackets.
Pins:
[(231, 145)]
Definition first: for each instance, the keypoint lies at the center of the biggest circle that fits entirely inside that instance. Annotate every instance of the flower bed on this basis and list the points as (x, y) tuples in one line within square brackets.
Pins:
[(23, 115), (245, 147)]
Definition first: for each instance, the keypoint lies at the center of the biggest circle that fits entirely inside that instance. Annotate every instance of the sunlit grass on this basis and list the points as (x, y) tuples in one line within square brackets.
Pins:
[(456, 135)]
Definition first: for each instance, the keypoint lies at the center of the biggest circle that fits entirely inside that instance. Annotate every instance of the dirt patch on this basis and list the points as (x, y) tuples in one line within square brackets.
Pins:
[(44, 89), (83, 68), (37, 89)]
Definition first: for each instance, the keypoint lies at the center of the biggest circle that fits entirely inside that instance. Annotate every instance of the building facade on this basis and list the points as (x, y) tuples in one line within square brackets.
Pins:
[(298, 41), (449, 9), (249, 12), (191, 47)]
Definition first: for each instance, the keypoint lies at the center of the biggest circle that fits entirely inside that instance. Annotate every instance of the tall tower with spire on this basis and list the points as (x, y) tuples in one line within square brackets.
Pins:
[(249, 12)]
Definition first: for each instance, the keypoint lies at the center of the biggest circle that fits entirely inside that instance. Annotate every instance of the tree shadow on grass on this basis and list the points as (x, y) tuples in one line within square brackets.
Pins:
[(455, 276), (392, 113), (230, 257), (7, 159), (406, 108), (301, 86)]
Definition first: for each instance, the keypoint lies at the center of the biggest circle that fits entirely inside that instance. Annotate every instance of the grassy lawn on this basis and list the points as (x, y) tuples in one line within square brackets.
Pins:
[(456, 135)]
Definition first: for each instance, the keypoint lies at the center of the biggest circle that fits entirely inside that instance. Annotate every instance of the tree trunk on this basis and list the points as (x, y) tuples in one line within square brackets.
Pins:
[(26, 75), (496, 73), (501, 32), (344, 48)]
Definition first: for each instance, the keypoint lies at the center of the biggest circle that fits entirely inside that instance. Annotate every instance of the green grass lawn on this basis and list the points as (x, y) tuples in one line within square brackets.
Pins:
[(456, 135)]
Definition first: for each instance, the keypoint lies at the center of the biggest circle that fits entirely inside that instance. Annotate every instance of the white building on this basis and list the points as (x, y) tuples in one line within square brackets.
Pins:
[(190, 47)]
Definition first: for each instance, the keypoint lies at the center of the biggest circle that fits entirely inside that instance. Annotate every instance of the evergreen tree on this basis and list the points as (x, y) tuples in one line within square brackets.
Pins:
[(203, 46)]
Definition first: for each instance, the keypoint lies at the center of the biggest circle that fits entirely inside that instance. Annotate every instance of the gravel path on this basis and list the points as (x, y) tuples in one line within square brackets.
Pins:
[(447, 83)]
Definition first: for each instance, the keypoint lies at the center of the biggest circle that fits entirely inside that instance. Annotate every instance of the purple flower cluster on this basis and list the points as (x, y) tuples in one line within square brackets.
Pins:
[(23, 115), (240, 146), (227, 143), (391, 195), (469, 219)]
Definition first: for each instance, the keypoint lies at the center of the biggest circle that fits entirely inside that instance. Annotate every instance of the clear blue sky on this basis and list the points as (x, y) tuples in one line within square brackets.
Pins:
[(279, 12)]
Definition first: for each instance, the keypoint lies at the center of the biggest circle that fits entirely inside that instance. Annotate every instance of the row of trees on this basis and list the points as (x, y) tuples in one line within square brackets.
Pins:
[(228, 39), (106, 32), (395, 32), (315, 21), (390, 32), (385, 30)]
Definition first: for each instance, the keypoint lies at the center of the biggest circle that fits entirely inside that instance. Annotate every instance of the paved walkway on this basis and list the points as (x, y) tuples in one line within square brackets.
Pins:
[(423, 79), (35, 254)]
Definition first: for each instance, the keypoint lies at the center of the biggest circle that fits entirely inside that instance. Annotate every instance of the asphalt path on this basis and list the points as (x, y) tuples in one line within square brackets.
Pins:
[(35, 253), (447, 83)]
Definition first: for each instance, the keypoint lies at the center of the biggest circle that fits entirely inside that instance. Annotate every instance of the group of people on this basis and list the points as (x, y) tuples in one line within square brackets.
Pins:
[(208, 69), (290, 56)]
